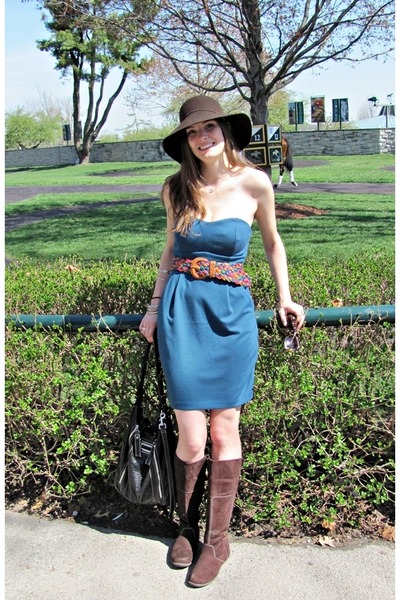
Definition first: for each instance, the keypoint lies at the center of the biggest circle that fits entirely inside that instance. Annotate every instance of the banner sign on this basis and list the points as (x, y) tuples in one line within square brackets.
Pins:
[(66, 129), (300, 113), (318, 109), (340, 110), (296, 113)]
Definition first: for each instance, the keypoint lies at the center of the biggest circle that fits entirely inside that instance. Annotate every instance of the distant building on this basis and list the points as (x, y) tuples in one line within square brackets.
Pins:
[(382, 121)]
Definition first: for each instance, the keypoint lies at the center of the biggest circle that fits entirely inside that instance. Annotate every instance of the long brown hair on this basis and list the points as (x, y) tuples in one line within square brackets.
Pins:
[(185, 185)]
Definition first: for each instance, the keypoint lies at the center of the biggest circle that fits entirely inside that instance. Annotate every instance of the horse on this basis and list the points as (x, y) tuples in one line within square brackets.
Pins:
[(287, 163)]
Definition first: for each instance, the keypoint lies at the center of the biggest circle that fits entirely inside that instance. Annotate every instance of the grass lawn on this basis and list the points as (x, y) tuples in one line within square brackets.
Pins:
[(353, 224), (132, 173), (49, 201), (376, 168)]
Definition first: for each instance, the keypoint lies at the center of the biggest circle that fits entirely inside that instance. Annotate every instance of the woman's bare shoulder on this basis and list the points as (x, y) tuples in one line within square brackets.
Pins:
[(257, 180), (256, 174), (165, 191), (166, 184)]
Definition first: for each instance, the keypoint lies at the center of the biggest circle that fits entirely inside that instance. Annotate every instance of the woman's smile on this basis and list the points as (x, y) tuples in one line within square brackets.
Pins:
[(204, 136), (207, 146)]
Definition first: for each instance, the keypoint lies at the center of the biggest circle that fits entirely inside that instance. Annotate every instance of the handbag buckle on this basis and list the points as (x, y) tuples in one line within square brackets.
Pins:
[(163, 416), (136, 442)]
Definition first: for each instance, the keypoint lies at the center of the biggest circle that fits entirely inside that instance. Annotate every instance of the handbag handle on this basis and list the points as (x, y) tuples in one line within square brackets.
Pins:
[(160, 387), (162, 396), (160, 382)]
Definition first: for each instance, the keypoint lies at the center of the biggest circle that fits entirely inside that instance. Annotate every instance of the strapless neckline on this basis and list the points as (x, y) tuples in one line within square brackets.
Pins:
[(224, 219)]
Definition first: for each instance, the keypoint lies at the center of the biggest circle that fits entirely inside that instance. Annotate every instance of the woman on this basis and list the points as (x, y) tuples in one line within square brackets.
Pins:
[(204, 314)]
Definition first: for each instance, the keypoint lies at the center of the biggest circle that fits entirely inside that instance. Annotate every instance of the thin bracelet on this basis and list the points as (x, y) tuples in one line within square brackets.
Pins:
[(151, 309), (156, 298)]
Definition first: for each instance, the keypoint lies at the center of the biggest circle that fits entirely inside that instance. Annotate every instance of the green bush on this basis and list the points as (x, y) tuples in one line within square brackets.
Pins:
[(318, 437), (68, 396)]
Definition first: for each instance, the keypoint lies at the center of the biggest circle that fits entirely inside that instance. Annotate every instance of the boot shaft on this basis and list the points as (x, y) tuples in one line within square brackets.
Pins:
[(189, 480), (223, 483), (189, 483)]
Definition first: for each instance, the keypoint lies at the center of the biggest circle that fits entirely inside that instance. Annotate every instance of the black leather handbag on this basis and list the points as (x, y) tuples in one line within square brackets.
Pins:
[(145, 469)]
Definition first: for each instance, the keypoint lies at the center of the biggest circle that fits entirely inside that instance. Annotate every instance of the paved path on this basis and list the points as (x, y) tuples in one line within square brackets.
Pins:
[(48, 560), (16, 194)]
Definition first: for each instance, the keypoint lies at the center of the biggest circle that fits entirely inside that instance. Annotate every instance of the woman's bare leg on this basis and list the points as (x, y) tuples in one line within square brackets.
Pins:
[(192, 439), (224, 433)]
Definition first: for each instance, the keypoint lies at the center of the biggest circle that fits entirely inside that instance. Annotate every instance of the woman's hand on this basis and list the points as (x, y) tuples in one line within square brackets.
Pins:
[(147, 327), (291, 308)]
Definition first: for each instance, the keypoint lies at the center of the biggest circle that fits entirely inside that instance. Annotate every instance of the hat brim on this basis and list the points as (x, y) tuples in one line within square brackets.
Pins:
[(241, 129)]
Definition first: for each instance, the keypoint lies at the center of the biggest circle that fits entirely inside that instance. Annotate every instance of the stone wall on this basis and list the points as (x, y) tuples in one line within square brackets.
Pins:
[(149, 150), (342, 142), (144, 151), (304, 143), (41, 157)]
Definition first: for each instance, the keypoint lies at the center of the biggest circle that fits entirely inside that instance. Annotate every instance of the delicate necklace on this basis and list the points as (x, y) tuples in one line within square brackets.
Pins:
[(211, 188)]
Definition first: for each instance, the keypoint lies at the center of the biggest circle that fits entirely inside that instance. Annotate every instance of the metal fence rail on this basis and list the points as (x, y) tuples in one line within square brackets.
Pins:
[(315, 317)]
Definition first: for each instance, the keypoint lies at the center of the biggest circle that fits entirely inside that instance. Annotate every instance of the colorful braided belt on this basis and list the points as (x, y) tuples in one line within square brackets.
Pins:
[(201, 268)]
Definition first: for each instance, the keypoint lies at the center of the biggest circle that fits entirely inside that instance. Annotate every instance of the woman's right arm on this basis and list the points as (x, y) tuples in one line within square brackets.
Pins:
[(149, 321)]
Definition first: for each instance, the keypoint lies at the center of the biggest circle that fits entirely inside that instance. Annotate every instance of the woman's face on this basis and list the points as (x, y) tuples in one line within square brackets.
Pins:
[(206, 139)]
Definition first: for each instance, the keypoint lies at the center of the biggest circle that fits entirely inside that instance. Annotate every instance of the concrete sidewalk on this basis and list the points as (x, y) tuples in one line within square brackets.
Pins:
[(63, 560)]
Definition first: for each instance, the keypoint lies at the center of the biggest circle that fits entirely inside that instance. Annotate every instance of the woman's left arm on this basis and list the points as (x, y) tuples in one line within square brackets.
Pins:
[(275, 250)]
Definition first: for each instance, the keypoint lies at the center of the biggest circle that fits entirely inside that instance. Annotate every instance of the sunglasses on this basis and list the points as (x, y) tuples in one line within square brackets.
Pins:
[(292, 341)]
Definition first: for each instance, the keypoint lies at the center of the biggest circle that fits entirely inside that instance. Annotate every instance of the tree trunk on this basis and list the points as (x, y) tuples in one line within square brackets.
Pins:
[(83, 151), (254, 58)]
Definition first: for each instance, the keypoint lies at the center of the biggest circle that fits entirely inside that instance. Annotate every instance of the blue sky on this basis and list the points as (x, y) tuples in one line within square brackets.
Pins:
[(29, 72)]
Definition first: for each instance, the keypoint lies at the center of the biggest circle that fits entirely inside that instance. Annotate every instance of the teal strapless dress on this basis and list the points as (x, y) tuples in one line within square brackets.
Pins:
[(207, 330)]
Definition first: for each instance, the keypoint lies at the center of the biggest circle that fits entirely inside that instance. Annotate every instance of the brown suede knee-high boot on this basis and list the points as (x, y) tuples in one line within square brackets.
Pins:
[(189, 479), (223, 483)]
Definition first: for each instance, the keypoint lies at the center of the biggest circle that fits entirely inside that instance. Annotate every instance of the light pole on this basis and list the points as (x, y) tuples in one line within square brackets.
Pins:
[(385, 107)]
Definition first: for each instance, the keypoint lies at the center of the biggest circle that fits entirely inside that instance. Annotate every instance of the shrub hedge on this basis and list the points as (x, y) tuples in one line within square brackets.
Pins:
[(318, 438)]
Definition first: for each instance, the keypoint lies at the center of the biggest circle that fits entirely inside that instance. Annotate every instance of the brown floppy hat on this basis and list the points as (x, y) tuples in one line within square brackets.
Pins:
[(204, 108)]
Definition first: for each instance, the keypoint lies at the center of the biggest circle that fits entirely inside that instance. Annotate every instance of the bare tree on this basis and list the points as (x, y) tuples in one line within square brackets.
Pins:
[(161, 91), (366, 111), (261, 46), (52, 106)]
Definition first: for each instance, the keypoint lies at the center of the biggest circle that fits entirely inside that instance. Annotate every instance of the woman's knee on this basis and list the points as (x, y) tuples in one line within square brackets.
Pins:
[(192, 438), (224, 428), (191, 449)]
